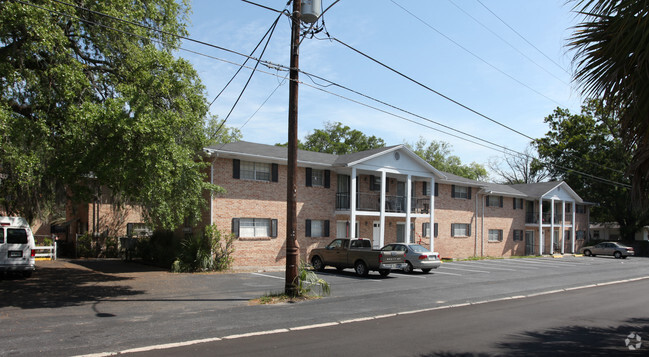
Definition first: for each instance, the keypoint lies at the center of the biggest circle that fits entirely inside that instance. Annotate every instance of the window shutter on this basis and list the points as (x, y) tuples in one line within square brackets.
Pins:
[(469, 193), (436, 232), (501, 201), (235, 227), (273, 228), (423, 229), (307, 228), (372, 183), (452, 229), (326, 228), (424, 188), (236, 172), (327, 178), (469, 233), (500, 233), (309, 177), (436, 189), (453, 191), (514, 199), (274, 172)]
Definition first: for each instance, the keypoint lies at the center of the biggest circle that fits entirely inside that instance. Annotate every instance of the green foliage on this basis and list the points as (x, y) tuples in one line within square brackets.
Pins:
[(438, 155), (308, 283), (590, 145), (610, 56), (219, 133), (101, 103), (84, 246), (210, 251), (339, 139)]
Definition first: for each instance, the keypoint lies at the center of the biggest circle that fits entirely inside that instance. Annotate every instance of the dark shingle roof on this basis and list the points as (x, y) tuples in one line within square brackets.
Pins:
[(272, 152)]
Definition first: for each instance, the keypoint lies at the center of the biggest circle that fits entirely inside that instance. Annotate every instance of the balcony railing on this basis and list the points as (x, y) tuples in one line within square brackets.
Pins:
[(533, 217), (393, 203)]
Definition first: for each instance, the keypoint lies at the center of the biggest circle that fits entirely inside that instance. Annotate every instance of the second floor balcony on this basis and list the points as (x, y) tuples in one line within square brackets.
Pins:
[(546, 217), (393, 203)]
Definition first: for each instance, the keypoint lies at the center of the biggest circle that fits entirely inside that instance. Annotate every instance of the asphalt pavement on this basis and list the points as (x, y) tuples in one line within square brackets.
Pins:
[(92, 306)]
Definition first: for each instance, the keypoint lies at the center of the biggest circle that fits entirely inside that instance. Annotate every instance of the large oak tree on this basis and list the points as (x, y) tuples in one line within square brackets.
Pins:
[(89, 100)]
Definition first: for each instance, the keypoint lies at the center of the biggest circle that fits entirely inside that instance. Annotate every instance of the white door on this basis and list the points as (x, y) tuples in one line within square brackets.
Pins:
[(376, 235)]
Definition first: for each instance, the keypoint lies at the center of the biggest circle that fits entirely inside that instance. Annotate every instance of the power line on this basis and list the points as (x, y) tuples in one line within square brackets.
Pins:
[(505, 150), (523, 37), (475, 55), (507, 42)]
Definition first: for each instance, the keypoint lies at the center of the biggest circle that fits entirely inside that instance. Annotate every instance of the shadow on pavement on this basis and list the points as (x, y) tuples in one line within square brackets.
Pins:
[(573, 341), (61, 284)]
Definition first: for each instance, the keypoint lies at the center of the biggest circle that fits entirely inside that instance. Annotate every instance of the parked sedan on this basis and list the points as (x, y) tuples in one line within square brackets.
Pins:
[(615, 249), (417, 257)]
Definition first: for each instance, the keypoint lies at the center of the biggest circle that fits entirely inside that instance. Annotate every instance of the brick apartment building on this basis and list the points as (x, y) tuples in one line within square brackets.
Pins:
[(376, 194)]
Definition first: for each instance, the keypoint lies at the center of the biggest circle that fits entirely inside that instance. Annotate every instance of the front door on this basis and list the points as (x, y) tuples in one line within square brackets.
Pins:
[(376, 235), (529, 242)]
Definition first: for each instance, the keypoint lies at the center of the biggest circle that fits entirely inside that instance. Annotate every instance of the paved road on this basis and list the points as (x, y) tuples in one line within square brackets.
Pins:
[(544, 325), (72, 308)]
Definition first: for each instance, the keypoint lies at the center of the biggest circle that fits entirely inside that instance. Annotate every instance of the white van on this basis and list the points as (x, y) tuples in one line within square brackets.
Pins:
[(17, 253)]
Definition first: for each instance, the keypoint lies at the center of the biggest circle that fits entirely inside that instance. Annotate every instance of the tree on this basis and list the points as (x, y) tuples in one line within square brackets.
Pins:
[(218, 133), (100, 102), (516, 169), (586, 151), (339, 139), (612, 63), (438, 154)]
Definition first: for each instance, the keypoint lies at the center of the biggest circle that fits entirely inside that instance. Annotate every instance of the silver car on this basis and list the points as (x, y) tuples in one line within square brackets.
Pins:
[(417, 256), (615, 249)]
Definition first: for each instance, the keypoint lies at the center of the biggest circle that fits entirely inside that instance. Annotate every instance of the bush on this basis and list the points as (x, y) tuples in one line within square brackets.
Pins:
[(84, 246), (209, 251)]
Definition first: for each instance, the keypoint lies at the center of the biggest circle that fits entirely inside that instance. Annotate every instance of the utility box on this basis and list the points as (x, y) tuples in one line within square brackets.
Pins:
[(311, 10)]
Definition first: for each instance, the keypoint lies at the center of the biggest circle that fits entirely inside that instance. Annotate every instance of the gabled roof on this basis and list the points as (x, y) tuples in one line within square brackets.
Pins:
[(280, 153)]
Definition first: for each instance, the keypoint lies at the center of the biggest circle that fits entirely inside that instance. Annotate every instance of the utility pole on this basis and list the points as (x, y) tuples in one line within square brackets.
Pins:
[(292, 247)]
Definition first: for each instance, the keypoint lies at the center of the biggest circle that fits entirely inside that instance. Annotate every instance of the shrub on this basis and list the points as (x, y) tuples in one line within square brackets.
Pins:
[(209, 251), (308, 283)]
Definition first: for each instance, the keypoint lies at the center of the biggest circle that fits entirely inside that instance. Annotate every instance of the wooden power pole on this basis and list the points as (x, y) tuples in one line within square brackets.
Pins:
[(292, 247)]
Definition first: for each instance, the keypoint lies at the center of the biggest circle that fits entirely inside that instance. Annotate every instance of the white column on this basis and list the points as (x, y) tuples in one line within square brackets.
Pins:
[(541, 226), (352, 204), (552, 226), (408, 203), (382, 210), (563, 226), (432, 214), (573, 231)]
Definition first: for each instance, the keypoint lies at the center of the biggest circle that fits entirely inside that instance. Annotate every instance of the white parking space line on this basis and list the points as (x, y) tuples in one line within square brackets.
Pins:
[(520, 265), (443, 273), (489, 266), (268, 276), (409, 276), (471, 270), (546, 262)]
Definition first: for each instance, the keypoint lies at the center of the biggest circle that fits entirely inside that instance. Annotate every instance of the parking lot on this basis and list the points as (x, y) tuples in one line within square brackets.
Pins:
[(82, 306)]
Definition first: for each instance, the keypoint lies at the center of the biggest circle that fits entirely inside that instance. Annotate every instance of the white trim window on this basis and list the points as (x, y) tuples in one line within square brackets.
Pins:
[(494, 201), (254, 227), (257, 171), (461, 192), (317, 178), (495, 235), (460, 230)]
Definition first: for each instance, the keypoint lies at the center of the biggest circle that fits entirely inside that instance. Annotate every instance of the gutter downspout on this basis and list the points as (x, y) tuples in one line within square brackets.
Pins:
[(211, 192), (432, 214)]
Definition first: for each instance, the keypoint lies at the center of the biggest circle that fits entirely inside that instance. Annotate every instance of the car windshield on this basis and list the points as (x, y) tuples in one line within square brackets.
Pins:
[(418, 248)]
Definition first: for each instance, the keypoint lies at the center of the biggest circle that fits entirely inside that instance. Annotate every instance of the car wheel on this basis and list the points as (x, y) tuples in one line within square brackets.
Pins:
[(587, 253), (408, 268), (360, 268), (426, 271), (384, 272), (617, 255), (317, 263)]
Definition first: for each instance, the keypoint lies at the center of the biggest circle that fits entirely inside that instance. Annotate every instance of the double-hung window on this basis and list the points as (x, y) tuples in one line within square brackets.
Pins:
[(494, 201), (317, 228), (254, 227), (425, 228), (461, 192), (460, 230), (257, 171), (495, 235)]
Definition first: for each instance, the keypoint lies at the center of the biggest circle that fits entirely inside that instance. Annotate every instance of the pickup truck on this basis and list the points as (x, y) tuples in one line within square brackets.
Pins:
[(345, 253)]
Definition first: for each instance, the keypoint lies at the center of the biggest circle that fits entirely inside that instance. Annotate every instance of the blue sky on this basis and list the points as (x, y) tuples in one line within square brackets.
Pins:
[(455, 47)]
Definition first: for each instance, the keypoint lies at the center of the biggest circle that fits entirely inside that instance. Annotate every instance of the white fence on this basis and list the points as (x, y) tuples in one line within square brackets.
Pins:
[(46, 251)]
